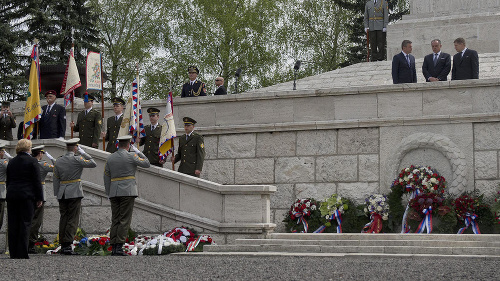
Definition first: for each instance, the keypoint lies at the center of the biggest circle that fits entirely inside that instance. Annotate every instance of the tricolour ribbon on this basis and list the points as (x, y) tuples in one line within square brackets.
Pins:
[(470, 220), (300, 218), (405, 228), (426, 222), (375, 225)]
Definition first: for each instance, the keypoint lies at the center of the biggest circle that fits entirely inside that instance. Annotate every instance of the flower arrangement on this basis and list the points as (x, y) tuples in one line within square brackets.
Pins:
[(332, 209), (471, 209), (94, 246), (303, 215), (419, 178), (159, 245), (424, 202), (377, 208)]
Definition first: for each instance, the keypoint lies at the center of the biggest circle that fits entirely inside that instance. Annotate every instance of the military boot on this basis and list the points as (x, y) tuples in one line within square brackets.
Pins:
[(119, 250)]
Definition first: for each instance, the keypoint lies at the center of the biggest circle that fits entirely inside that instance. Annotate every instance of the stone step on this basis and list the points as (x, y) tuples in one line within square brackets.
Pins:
[(386, 236)]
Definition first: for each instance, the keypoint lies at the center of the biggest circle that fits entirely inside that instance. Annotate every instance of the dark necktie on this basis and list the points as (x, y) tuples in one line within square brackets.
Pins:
[(435, 59), (48, 110), (408, 60)]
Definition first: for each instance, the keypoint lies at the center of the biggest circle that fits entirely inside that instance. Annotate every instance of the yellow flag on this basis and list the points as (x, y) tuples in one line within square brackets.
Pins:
[(33, 110)]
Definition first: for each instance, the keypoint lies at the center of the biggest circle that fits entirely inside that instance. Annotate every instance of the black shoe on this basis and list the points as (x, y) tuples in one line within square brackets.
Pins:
[(31, 250), (118, 250)]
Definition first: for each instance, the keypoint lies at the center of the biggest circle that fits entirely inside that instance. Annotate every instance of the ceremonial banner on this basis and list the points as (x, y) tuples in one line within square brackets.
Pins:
[(94, 71), (132, 117), (32, 110), (167, 130), (71, 79)]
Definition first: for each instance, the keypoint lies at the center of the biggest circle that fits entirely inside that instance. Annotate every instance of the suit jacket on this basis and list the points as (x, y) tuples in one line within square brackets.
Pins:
[(401, 71), (119, 168), (3, 176), (45, 168), (376, 16), (112, 130), (53, 124), (440, 70), (466, 66), (197, 89), (67, 174), (89, 127), (220, 91), (191, 153), (152, 143), (6, 125), (20, 130), (23, 178)]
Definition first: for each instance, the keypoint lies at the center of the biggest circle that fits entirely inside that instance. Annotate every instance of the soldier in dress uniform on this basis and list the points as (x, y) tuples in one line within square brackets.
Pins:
[(151, 141), (113, 125), (121, 189), (191, 151), (45, 168), (7, 122), (53, 120), (376, 20), (88, 124), (68, 189), (193, 88), (4, 161)]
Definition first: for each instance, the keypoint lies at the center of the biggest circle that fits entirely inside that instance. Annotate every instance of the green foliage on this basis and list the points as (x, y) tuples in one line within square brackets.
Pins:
[(165, 250), (397, 209)]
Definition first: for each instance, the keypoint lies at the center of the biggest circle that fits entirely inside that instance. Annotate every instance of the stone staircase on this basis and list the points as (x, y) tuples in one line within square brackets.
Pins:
[(366, 244), (374, 73)]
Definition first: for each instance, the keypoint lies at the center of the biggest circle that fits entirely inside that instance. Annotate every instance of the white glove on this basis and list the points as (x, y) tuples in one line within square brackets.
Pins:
[(366, 29), (80, 149), (134, 148), (8, 155), (49, 156), (384, 29)]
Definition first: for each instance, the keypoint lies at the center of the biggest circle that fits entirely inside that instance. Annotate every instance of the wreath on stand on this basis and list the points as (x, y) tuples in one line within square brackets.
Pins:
[(474, 216)]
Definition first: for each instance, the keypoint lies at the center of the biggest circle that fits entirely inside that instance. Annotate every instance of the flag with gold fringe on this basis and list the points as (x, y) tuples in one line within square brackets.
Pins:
[(71, 78), (167, 130), (33, 110), (132, 116)]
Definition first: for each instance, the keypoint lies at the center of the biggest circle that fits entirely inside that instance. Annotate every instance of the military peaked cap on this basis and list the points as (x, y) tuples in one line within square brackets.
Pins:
[(118, 100), (153, 110), (193, 68), (188, 121)]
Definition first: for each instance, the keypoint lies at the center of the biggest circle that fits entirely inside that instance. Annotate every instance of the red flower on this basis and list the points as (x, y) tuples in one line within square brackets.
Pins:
[(110, 248), (102, 241)]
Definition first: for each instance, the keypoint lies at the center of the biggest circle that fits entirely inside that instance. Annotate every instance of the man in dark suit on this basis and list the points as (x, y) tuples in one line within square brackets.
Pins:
[(7, 122), (437, 65), (24, 193), (191, 151), (53, 121), (88, 124), (219, 84), (465, 62), (113, 125), (193, 88), (403, 65), (151, 141)]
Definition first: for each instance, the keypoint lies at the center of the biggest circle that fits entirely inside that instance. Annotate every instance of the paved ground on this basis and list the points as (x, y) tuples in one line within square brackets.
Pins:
[(249, 267)]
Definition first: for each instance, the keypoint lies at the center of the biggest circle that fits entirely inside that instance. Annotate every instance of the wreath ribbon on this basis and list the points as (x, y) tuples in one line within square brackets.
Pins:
[(375, 225), (405, 228), (426, 223), (335, 215), (470, 220), (300, 218)]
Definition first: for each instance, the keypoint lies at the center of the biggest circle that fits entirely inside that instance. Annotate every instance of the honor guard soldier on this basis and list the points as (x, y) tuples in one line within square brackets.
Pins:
[(121, 189), (191, 151), (45, 168), (53, 120), (68, 189), (7, 122), (113, 124), (88, 124), (4, 161), (193, 87), (151, 141), (376, 20)]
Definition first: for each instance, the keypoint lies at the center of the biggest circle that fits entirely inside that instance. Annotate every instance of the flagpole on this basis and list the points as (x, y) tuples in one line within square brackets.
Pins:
[(72, 110), (173, 154), (102, 113)]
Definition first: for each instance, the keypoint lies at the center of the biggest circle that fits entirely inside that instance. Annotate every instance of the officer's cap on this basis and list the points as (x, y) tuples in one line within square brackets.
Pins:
[(124, 138), (50, 92), (71, 142), (2, 146), (6, 103), (37, 149), (153, 110), (188, 121), (193, 68), (118, 100)]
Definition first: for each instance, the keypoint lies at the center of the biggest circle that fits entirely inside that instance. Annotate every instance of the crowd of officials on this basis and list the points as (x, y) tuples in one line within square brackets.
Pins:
[(22, 178)]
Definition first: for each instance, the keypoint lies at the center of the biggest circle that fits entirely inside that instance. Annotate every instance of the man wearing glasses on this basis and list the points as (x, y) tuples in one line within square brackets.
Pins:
[(193, 88), (219, 84)]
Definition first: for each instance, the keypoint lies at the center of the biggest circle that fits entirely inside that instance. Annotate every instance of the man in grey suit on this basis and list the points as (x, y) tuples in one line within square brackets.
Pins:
[(68, 189), (437, 65), (376, 20), (121, 189)]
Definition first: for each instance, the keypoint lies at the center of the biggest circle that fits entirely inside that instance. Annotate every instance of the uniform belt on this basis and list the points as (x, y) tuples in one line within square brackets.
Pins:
[(377, 18), (123, 178), (71, 181), (43, 182), (2, 182)]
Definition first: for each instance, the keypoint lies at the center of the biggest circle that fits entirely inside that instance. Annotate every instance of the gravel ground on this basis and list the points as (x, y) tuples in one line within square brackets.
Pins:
[(247, 267)]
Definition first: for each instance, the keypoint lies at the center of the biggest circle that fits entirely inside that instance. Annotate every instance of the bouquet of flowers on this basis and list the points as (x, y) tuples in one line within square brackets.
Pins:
[(303, 215), (332, 209), (467, 208), (159, 245), (417, 179), (94, 246), (377, 208), (423, 206)]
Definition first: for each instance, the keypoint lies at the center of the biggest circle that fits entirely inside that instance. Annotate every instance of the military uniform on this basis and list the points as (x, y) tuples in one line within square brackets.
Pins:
[(7, 123), (376, 19), (196, 89), (151, 144), (68, 189), (121, 189), (89, 127), (191, 151), (113, 127)]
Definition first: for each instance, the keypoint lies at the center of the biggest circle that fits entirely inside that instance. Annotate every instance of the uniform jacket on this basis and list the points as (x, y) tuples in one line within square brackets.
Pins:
[(197, 89), (6, 125), (466, 66), (3, 176), (23, 178), (376, 16), (53, 124), (89, 127), (220, 91), (191, 153), (401, 71), (45, 168), (120, 167), (69, 167), (442, 68), (151, 143), (112, 129)]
